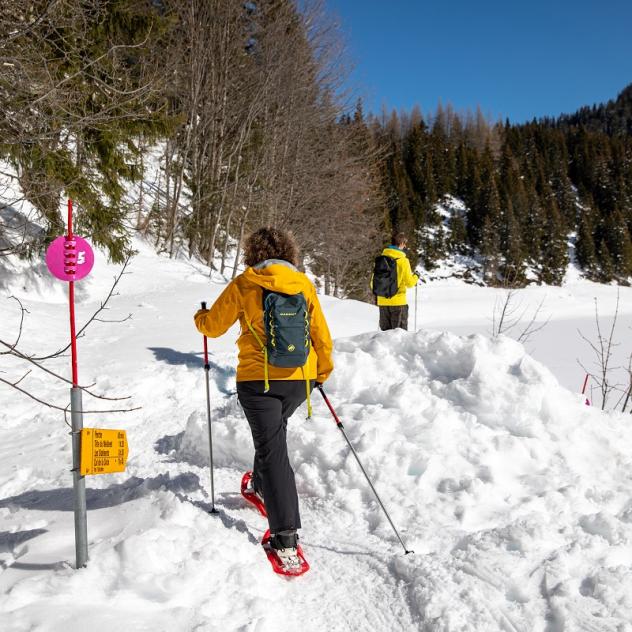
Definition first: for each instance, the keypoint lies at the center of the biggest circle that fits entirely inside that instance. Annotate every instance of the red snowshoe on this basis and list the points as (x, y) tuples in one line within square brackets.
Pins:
[(290, 562), (248, 492)]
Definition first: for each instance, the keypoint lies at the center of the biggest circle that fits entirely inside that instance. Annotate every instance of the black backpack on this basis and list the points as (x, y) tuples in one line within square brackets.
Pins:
[(385, 276)]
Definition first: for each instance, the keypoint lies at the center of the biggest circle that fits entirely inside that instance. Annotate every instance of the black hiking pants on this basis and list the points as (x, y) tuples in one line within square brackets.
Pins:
[(267, 414), (393, 317)]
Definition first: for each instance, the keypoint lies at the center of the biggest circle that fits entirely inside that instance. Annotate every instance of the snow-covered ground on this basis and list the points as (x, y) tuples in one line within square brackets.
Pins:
[(514, 495)]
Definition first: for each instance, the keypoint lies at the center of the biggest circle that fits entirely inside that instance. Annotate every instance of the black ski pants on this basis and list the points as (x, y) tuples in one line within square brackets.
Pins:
[(267, 414), (393, 317)]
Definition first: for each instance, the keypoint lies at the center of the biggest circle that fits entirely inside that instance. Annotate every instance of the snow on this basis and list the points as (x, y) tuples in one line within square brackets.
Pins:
[(567, 313), (514, 495)]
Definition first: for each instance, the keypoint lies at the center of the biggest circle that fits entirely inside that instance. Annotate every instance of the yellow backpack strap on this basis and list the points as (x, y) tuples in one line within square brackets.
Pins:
[(264, 349), (307, 391)]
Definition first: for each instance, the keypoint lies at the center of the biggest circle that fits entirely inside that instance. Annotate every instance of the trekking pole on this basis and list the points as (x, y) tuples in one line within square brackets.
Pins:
[(207, 368), (344, 434)]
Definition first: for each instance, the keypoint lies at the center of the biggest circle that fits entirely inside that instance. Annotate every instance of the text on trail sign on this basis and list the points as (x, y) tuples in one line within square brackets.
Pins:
[(103, 451)]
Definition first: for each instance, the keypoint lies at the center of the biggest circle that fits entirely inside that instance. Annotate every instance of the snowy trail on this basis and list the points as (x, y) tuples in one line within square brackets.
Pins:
[(515, 496)]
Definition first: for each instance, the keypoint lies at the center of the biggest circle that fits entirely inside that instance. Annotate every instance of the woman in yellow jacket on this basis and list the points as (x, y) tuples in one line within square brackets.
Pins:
[(270, 394)]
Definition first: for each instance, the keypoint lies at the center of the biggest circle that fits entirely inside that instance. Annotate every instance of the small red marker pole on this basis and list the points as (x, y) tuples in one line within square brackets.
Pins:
[(587, 402)]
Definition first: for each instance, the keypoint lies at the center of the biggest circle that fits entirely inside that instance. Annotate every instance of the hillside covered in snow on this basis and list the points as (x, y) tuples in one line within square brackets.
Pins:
[(514, 495)]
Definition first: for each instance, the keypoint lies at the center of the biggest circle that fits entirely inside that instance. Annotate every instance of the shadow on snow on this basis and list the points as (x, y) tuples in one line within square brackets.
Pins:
[(131, 489), (220, 374)]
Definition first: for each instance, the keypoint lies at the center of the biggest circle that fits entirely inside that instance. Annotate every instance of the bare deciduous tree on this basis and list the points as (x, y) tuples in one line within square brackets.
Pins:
[(603, 349), (509, 314)]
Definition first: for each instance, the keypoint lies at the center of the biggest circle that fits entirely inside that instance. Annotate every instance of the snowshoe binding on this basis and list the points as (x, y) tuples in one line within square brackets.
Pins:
[(285, 553), (249, 493)]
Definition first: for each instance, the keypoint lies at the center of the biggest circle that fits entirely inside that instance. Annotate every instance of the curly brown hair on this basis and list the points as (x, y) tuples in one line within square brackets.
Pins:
[(270, 243), (399, 239)]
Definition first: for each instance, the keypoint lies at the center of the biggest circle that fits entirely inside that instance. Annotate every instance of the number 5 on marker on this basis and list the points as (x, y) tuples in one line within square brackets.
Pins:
[(81, 257)]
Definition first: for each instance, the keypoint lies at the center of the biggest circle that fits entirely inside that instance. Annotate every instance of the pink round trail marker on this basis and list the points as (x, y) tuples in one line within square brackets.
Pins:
[(70, 259)]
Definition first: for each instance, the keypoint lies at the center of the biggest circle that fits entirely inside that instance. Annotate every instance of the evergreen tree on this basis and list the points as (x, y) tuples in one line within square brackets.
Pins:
[(490, 249), (419, 169), (585, 245), (462, 167), (432, 242), (486, 201), (458, 234), (533, 228), (471, 183), (442, 158), (513, 269), (619, 245), (606, 267), (554, 248), (89, 86)]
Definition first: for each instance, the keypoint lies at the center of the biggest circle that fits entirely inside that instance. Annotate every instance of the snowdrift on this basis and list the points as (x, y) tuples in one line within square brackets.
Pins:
[(514, 495)]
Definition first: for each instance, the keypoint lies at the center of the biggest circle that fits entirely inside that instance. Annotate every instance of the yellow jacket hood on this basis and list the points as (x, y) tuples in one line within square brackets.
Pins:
[(276, 275), (394, 253)]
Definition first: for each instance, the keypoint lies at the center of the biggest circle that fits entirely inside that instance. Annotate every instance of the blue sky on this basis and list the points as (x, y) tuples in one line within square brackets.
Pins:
[(514, 59)]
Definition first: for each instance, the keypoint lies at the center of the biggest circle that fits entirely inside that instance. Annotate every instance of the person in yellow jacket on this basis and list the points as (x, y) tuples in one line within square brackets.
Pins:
[(270, 394), (394, 310)]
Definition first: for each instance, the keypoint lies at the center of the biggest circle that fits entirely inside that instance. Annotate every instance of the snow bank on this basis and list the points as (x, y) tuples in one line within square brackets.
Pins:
[(514, 495)]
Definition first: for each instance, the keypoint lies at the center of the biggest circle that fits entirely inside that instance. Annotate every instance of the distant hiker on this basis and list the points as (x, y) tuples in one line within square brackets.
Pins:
[(284, 349), (391, 278)]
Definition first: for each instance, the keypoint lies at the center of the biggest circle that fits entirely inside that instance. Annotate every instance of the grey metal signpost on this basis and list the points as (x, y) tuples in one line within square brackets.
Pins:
[(78, 481)]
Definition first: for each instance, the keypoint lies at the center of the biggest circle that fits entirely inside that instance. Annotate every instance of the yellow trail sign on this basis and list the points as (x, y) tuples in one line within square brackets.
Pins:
[(103, 451)]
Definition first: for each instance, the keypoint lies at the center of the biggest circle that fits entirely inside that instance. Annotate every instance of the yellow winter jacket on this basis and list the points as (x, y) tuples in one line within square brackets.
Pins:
[(405, 278), (243, 299)]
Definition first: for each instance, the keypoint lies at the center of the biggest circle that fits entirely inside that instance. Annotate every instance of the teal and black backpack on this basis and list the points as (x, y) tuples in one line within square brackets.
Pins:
[(287, 327), (286, 322)]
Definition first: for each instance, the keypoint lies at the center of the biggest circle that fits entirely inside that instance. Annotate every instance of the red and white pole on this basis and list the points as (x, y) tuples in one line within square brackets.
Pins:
[(70, 248)]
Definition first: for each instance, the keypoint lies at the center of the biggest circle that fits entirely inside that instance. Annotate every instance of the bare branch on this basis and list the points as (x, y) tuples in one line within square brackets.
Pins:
[(603, 350), (531, 329), (25, 375), (29, 27), (102, 307), (629, 391), (122, 320), (507, 317), (19, 354), (83, 70), (23, 311), (63, 409)]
